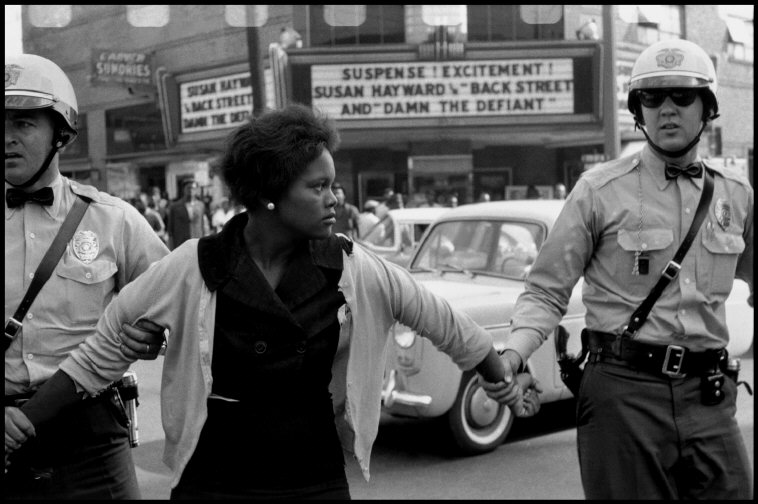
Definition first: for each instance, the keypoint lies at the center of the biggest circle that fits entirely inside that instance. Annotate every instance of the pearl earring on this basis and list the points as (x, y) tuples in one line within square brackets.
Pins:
[(270, 205)]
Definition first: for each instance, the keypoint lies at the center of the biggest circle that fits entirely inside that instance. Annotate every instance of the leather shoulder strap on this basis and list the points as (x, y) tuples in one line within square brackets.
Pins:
[(672, 268), (46, 267)]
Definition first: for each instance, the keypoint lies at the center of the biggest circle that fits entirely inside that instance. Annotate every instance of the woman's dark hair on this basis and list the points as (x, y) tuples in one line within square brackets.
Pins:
[(268, 152)]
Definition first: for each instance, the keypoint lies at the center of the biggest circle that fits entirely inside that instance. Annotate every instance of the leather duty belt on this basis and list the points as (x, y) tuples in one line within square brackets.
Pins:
[(675, 361)]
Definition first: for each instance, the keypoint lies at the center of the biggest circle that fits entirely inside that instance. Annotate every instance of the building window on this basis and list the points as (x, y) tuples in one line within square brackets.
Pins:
[(135, 129), (80, 148), (651, 23), (714, 142), (740, 42), (493, 23), (332, 25)]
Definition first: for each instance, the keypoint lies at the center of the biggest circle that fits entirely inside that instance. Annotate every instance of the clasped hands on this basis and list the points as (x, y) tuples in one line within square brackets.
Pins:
[(520, 392)]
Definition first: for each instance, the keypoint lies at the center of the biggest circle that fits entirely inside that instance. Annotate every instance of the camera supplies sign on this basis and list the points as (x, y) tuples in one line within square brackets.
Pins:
[(444, 89)]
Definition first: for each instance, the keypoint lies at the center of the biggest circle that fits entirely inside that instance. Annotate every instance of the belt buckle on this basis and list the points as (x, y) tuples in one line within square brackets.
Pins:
[(671, 270), (12, 327), (676, 367)]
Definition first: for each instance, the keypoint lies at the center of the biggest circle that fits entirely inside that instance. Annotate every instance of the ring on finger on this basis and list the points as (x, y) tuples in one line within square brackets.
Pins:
[(147, 346)]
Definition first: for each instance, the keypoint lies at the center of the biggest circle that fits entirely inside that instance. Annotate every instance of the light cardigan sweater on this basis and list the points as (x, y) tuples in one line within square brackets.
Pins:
[(172, 293)]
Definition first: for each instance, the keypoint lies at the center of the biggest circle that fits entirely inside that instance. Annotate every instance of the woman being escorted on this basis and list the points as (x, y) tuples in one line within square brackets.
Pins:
[(278, 330)]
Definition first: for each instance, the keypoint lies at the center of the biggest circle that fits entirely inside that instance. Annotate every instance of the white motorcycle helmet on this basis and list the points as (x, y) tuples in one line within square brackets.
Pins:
[(34, 82), (674, 63)]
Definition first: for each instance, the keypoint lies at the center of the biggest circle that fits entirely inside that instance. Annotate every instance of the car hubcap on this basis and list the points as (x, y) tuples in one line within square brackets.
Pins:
[(482, 410)]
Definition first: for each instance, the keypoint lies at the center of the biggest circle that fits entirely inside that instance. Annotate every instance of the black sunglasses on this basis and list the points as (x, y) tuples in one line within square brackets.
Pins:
[(682, 97)]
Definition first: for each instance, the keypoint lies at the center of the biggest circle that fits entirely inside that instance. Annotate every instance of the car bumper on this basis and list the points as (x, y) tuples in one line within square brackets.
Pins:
[(392, 394)]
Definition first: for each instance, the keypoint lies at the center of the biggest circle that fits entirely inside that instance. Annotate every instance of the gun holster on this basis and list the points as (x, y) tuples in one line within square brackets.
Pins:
[(571, 367)]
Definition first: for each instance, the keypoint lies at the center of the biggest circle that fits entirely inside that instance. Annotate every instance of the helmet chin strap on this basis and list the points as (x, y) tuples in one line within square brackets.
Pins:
[(57, 144), (668, 153)]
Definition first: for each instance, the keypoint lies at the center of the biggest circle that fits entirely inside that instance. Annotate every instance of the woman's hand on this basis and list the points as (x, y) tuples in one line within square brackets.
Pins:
[(506, 390), (18, 429), (143, 340)]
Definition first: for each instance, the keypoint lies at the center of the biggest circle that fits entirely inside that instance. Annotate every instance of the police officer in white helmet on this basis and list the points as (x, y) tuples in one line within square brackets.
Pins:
[(85, 452), (656, 402)]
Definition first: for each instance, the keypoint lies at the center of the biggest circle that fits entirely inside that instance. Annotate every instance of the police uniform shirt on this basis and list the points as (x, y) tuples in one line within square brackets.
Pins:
[(112, 245), (598, 233)]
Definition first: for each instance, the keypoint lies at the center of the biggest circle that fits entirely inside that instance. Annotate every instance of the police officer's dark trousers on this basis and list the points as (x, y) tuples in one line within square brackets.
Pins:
[(648, 436), (84, 453)]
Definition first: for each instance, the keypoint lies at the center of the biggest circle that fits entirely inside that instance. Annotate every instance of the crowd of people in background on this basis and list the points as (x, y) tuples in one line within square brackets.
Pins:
[(191, 215), (196, 215)]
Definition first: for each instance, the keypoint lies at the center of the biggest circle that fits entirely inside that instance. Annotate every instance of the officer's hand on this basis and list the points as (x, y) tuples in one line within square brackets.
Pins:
[(531, 405), (531, 400), (18, 429), (143, 340)]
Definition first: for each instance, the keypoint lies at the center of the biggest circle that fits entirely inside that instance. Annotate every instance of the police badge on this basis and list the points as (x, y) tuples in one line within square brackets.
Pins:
[(86, 246), (669, 58), (12, 72), (723, 213)]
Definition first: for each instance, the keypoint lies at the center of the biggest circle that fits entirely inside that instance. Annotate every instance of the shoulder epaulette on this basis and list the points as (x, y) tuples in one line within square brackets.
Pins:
[(727, 172), (599, 175)]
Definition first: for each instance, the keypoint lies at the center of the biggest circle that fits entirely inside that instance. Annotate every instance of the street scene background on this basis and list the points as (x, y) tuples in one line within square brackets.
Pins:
[(458, 113)]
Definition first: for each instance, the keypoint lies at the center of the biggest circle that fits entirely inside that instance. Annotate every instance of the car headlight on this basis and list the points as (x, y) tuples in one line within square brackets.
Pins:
[(404, 337)]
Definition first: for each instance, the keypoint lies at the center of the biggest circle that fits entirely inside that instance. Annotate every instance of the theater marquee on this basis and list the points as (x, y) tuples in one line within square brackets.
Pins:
[(444, 89), (215, 103)]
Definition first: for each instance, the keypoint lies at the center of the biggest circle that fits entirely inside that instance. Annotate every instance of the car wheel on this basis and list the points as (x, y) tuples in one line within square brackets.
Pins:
[(477, 423)]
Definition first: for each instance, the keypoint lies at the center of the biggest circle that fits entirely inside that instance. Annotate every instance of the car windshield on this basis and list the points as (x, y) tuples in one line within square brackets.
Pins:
[(501, 248)]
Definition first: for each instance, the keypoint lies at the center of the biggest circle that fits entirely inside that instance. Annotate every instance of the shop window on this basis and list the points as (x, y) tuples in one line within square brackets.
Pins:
[(493, 23), (134, 129), (740, 42), (493, 183), (80, 148), (49, 16), (651, 23), (332, 25), (715, 145), (443, 15)]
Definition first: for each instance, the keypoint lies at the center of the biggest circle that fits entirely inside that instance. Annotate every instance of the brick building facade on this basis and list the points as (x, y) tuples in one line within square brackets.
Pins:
[(510, 96)]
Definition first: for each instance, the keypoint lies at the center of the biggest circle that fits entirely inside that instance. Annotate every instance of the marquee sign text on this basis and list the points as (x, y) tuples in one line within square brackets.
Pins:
[(444, 89), (216, 103)]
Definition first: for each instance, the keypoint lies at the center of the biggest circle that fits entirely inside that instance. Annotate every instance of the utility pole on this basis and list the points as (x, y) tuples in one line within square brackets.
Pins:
[(256, 69), (610, 103)]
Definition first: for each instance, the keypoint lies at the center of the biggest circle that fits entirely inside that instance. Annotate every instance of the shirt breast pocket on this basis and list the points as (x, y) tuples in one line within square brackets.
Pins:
[(721, 251), (657, 251), (85, 288)]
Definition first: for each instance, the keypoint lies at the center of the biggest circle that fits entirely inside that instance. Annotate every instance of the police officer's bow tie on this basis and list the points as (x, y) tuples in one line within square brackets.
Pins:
[(16, 197), (695, 170)]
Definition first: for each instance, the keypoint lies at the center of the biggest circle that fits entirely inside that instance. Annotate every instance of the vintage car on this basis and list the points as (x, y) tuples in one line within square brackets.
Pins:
[(476, 257), (397, 233)]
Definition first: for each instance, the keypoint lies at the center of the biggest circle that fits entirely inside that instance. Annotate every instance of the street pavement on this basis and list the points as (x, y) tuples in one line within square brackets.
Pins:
[(538, 461)]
